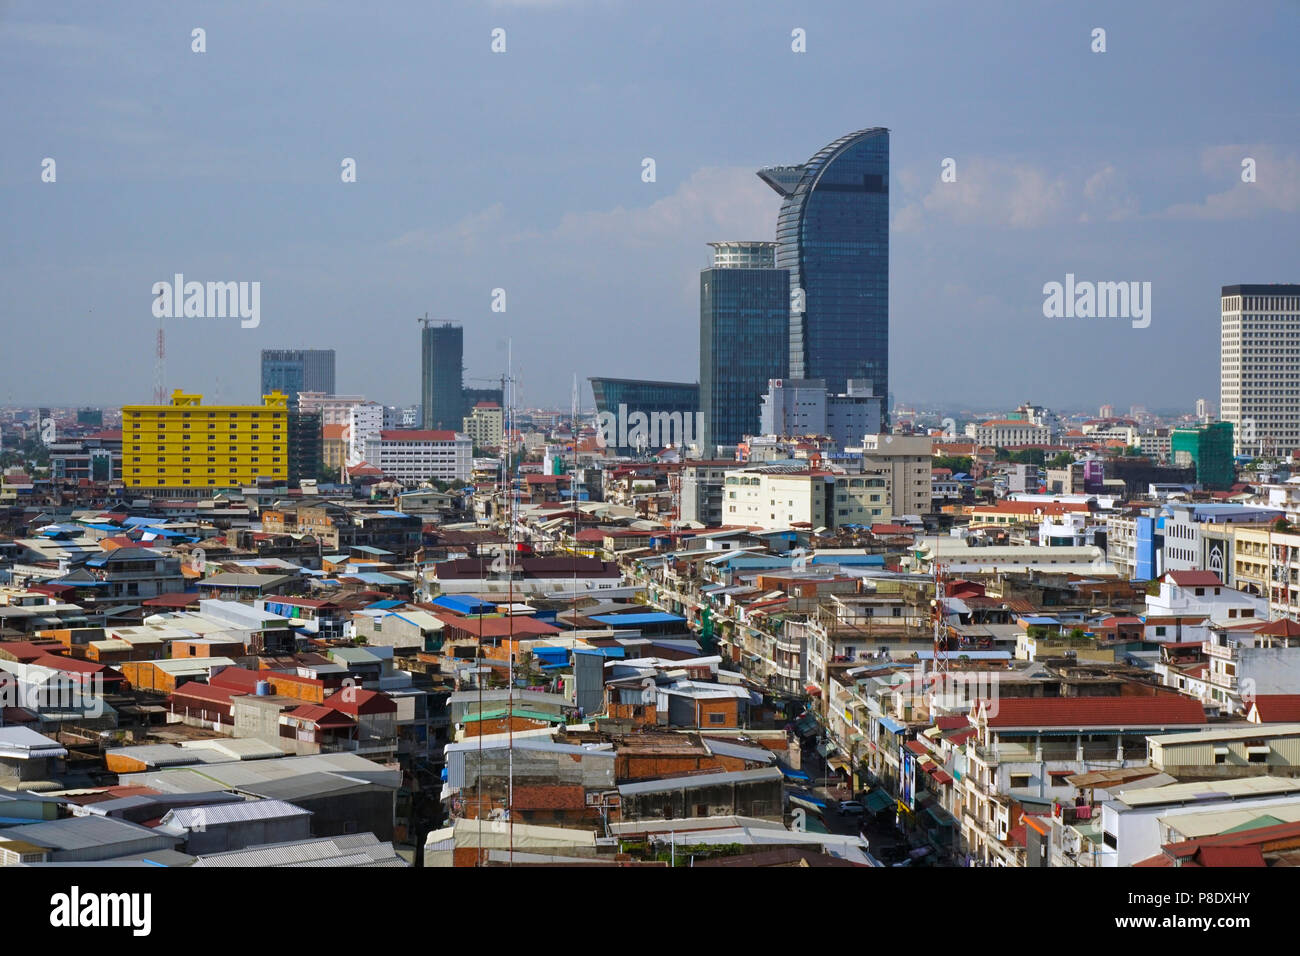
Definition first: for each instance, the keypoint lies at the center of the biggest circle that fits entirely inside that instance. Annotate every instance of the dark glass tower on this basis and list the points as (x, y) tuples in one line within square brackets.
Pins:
[(297, 370), (624, 398), (442, 354), (744, 338), (306, 446), (833, 237)]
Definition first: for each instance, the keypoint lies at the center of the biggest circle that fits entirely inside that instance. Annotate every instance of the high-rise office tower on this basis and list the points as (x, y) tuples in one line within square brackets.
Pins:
[(442, 360), (1259, 367), (306, 445), (744, 338), (833, 237), (637, 412), (297, 370)]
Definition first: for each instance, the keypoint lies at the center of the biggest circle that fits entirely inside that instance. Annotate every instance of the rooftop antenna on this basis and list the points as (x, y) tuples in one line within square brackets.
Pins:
[(573, 491), (508, 381), (940, 624), (160, 359)]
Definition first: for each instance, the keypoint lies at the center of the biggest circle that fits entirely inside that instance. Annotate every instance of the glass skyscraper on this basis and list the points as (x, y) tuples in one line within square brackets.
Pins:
[(744, 338), (623, 400), (442, 355), (833, 237), (297, 370)]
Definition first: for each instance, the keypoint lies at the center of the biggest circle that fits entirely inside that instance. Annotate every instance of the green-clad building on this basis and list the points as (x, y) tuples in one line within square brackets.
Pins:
[(1209, 449)]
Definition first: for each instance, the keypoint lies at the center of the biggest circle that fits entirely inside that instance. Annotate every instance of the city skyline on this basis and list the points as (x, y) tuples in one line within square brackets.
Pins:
[(581, 244)]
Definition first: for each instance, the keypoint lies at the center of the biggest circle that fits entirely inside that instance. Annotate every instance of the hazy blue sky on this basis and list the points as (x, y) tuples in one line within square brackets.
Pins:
[(522, 171)]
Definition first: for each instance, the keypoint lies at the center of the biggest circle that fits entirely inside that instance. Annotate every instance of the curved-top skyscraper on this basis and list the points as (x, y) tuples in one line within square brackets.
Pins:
[(833, 236)]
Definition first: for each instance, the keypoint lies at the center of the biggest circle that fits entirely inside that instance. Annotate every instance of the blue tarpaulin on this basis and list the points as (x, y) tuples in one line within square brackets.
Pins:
[(637, 620)]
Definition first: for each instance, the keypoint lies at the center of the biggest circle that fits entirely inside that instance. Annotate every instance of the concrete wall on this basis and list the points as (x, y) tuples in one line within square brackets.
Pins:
[(1275, 670)]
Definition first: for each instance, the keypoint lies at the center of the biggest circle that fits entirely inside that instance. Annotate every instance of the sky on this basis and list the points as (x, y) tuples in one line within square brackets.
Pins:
[(522, 171)]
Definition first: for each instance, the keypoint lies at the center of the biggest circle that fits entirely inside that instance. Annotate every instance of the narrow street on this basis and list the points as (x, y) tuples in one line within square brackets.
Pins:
[(887, 844)]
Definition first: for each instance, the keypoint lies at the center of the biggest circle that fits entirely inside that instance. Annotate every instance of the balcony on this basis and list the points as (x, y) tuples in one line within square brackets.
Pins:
[(1226, 681), (1217, 650)]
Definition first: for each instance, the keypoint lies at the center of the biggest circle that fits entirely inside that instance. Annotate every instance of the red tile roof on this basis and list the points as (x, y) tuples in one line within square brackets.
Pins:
[(354, 700), (197, 691), (1277, 708), (1194, 579), (321, 716), (70, 665), (173, 600), (1031, 508), (1282, 627), (1163, 710)]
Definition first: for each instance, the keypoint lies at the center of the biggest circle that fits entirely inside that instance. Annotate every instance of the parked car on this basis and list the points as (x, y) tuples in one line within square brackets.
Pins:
[(851, 808)]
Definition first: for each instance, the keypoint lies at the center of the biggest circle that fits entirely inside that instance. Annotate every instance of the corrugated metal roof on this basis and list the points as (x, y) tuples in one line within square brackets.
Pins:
[(362, 849), (79, 833), (725, 748), (702, 780), (220, 814)]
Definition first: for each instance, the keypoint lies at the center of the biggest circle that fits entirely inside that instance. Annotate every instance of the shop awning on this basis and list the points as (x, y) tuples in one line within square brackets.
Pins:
[(893, 726), (878, 800), (791, 774), (841, 764)]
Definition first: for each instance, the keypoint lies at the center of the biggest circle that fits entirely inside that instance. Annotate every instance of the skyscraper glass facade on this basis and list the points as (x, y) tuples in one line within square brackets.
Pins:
[(442, 354), (833, 237), (297, 370), (624, 398), (744, 338)]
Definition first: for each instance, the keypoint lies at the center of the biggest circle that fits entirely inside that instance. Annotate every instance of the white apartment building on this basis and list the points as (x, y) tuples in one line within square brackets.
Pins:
[(1156, 443), (367, 421), (1125, 433), (1188, 603), (775, 496), (1249, 661), (1259, 367), (413, 455), (1121, 543), (779, 496), (334, 409), (1008, 433)]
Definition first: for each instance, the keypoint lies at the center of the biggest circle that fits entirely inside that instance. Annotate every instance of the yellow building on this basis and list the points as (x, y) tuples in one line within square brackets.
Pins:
[(188, 444)]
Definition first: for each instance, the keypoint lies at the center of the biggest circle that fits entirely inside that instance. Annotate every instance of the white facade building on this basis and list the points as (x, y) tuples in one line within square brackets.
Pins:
[(1008, 433), (1259, 367), (366, 421), (413, 455), (334, 409)]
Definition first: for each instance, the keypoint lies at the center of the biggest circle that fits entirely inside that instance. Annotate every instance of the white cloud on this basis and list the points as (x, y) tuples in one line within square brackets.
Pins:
[(988, 192), (1276, 187), (714, 203)]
